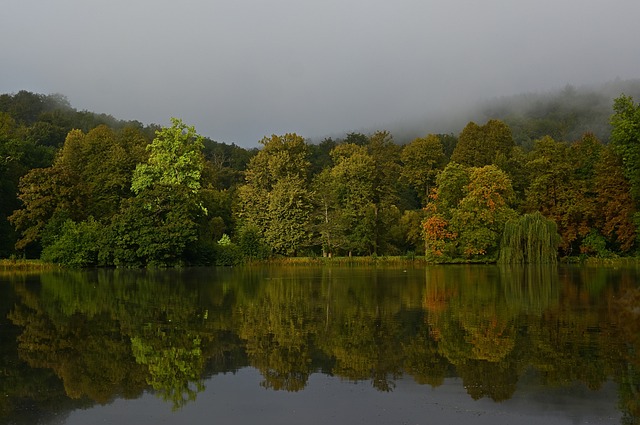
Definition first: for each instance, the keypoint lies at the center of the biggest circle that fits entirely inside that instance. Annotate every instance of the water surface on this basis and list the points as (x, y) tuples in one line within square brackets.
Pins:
[(317, 345)]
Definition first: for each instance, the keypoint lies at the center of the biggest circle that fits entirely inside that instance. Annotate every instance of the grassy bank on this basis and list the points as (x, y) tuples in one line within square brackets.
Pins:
[(343, 261), (616, 261), (421, 260), (7, 265)]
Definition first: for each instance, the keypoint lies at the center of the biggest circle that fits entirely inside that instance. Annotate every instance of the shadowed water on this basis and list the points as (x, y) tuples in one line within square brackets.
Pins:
[(275, 345)]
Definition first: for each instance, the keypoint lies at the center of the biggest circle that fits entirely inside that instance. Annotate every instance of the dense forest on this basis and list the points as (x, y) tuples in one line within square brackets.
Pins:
[(529, 183)]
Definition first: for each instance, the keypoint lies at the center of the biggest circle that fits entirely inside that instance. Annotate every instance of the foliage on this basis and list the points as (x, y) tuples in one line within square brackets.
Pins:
[(559, 191), (615, 205), (625, 139), (77, 245), (90, 176), (531, 238), (483, 212), (251, 243), (175, 160), (480, 145), (168, 202), (275, 198), (154, 228), (595, 244), (422, 159), (228, 255), (468, 211)]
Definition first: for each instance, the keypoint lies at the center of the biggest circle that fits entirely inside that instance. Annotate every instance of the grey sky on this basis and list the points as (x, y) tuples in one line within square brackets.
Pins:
[(242, 69)]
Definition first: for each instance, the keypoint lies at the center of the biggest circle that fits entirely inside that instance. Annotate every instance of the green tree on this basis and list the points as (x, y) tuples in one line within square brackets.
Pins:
[(77, 244), (531, 238), (18, 154), (481, 215), (275, 197), (175, 160), (450, 189), (156, 226), (89, 177), (353, 180), (556, 192), (451, 183), (289, 210), (480, 145), (326, 211), (422, 159), (387, 187), (625, 139)]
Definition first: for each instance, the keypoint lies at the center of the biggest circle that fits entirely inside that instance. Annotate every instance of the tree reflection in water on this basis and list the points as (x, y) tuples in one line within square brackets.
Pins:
[(107, 334)]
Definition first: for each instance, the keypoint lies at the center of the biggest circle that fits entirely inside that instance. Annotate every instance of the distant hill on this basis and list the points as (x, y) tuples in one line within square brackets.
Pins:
[(564, 114), (50, 117)]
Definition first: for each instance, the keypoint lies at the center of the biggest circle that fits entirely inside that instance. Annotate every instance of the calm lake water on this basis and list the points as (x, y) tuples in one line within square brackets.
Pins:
[(322, 345)]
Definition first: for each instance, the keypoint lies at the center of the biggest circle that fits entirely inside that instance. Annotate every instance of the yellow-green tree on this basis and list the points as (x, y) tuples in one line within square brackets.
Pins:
[(157, 225), (275, 197)]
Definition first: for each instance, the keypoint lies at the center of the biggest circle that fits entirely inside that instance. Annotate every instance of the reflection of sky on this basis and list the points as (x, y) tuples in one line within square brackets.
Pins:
[(239, 399)]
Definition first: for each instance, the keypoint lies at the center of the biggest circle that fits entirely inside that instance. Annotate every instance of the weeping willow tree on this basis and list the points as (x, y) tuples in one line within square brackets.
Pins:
[(532, 238)]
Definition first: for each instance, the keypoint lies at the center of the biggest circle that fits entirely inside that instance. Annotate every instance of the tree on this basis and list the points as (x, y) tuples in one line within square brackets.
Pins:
[(387, 187), (77, 245), (156, 226), (483, 212), (531, 238), (43, 193), (450, 189), (326, 209), (625, 139), (564, 187), (451, 183), (555, 191), (289, 210), (422, 159), (89, 177), (353, 181), (175, 160), (615, 207), (17, 156), (468, 211), (275, 197), (479, 145)]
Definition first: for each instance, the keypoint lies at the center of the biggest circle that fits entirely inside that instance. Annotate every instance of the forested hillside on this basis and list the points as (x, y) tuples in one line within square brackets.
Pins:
[(84, 189), (564, 114)]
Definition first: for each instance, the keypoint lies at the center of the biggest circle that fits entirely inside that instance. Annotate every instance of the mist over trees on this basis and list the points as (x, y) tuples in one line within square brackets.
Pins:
[(565, 114), (87, 189)]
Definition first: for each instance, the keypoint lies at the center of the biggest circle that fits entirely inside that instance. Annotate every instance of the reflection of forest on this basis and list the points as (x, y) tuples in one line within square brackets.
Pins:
[(107, 334)]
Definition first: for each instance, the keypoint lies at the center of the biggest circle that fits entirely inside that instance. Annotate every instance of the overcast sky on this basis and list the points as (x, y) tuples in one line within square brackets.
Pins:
[(241, 69)]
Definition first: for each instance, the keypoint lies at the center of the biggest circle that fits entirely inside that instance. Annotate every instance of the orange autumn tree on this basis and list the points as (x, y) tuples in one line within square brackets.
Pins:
[(436, 234)]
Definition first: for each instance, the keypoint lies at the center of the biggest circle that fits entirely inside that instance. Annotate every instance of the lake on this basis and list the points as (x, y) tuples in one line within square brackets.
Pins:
[(322, 345)]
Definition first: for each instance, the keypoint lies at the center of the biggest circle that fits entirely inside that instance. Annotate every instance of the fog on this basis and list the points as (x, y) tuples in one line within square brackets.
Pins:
[(239, 69)]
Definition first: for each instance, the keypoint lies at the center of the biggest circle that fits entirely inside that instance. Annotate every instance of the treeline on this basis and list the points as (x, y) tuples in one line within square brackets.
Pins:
[(109, 195)]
